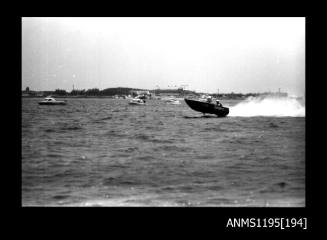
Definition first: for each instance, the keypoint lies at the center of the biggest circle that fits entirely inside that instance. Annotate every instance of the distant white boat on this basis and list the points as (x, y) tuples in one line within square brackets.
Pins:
[(137, 101), (52, 101)]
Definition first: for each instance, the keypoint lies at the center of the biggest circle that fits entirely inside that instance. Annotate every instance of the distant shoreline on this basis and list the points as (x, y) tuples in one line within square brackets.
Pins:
[(120, 98), (110, 97), (123, 92)]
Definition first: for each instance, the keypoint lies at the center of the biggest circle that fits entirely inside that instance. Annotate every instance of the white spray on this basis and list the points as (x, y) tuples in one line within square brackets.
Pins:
[(269, 106)]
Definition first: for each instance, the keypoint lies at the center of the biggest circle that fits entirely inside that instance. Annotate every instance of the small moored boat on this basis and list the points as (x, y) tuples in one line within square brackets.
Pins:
[(137, 101), (207, 107), (51, 101)]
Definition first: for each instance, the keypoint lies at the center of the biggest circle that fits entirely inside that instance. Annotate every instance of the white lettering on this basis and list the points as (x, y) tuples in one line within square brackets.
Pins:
[(229, 222)]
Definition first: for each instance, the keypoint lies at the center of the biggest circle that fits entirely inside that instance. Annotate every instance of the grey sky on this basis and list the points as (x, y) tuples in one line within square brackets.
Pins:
[(207, 54)]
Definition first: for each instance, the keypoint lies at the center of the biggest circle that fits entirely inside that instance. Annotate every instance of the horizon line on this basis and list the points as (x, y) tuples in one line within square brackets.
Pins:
[(158, 89)]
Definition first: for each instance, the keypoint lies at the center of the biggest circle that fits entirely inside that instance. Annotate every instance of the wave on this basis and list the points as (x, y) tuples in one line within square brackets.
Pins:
[(269, 106)]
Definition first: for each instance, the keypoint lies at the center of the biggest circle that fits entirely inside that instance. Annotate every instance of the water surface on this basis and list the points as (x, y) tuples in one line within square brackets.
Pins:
[(104, 152)]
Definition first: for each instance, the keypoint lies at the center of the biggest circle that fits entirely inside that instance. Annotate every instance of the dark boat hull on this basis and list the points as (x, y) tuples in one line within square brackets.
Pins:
[(205, 107), (52, 103)]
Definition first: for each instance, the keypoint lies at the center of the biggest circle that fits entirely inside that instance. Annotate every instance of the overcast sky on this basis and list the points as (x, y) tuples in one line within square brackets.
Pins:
[(203, 54)]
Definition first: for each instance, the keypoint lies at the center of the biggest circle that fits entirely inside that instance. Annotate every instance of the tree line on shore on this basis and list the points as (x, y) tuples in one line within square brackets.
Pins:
[(120, 91), (83, 92), (123, 91)]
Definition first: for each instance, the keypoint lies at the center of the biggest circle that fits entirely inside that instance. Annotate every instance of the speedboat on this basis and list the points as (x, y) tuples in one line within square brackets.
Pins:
[(51, 101), (207, 107), (137, 101)]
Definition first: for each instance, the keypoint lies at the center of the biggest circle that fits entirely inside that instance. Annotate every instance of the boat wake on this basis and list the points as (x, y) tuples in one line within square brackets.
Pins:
[(270, 106)]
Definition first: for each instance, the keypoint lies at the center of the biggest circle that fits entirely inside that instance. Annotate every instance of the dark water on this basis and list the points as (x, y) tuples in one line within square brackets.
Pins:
[(104, 152)]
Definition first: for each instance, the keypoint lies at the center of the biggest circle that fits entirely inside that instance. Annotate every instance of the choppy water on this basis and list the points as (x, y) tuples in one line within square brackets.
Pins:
[(104, 152)]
